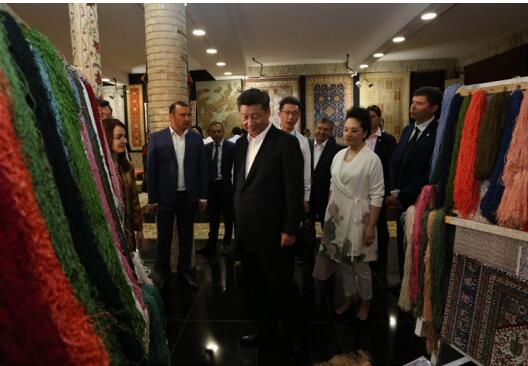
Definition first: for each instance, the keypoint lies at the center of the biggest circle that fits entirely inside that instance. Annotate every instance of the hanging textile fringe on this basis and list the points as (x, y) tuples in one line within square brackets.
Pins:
[(404, 301), (513, 208), (443, 128), (27, 235), (421, 261), (87, 223), (159, 353), (142, 271), (466, 188), (441, 254), (427, 304), (424, 201), (492, 198), (448, 203), (490, 135)]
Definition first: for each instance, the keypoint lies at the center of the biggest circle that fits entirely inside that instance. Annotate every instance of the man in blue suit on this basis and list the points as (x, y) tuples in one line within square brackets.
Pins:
[(410, 163), (220, 154), (177, 181)]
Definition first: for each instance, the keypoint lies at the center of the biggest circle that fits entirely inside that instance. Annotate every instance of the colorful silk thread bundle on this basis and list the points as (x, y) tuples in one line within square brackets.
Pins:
[(466, 188), (513, 208), (444, 129), (490, 135), (493, 196), (425, 200), (404, 301), (449, 201)]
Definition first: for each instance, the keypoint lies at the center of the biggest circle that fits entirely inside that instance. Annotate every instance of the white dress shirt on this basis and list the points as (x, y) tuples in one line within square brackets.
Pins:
[(305, 149), (234, 138), (318, 150), (179, 148), (371, 140), (219, 165), (421, 128), (254, 144)]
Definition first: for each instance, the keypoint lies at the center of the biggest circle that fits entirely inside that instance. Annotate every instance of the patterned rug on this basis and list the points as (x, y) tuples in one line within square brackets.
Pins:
[(486, 313)]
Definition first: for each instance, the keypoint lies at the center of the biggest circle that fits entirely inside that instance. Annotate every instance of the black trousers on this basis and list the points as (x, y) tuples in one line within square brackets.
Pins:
[(400, 236), (219, 202), (183, 211), (383, 240), (270, 292)]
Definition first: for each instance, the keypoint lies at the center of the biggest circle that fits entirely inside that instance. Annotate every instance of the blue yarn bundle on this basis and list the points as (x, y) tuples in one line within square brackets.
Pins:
[(443, 130), (491, 200)]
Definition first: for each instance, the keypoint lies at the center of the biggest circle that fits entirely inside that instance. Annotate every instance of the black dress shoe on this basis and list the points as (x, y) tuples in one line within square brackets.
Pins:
[(226, 249), (249, 340), (189, 281)]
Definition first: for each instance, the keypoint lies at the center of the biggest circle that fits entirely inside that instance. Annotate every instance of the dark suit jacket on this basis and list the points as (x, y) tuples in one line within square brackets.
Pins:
[(415, 173), (321, 176), (162, 168), (270, 200), (385, 146), (228, 156)]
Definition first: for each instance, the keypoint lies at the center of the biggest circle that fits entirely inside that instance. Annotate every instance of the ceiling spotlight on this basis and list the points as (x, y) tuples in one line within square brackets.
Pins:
[(428, 16), (358, 84), (363, 66), (398, 39), (211, 51), (220, 64), (379, 54), (228, 73), (198, 32)]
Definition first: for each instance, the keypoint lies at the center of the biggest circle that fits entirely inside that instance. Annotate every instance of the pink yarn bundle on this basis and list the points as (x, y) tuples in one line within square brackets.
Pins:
[(466, 188), (513, 208), (424, 201)]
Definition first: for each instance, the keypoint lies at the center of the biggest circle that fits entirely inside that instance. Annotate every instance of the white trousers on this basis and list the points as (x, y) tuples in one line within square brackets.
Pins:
[(357, 278)]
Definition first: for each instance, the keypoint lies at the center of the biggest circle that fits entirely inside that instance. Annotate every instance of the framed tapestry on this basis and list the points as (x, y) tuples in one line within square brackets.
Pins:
[(328, 96), (277, 89), (390, 92), (217, 101), (136, 117)]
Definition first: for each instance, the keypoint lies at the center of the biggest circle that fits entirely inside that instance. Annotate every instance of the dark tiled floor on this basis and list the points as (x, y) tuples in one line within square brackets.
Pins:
[(204, 326)]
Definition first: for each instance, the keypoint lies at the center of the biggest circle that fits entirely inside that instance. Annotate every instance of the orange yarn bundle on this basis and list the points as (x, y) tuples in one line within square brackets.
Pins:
[(466, 189), (78, 340), (513, 208)]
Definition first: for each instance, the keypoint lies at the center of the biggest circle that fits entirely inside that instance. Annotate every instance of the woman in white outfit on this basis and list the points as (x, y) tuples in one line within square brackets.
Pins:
[(349, 239)]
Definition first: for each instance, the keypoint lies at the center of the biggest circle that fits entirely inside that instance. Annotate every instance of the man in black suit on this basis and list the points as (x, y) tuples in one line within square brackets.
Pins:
[(268, 178), (383, 144), (220, 154), (411, 160), (323, 150), (177, 181)]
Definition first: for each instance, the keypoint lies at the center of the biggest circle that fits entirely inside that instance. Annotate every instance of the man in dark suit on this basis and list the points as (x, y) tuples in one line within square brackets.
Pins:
[(411, 160), (323, 150), (383, 144), (268, 177), (220, 154), (177, 180)]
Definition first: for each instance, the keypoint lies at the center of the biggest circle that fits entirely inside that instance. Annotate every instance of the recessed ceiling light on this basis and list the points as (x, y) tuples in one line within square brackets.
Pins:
[(106, 80), (198, 32), (228, 73), (363, 66), (428, 16), (211, 51), (379, 54), (398, 39), (220, 64)]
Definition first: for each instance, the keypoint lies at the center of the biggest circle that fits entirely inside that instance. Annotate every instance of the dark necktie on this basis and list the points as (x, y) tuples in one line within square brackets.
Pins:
[(408, 150), (215, 162)]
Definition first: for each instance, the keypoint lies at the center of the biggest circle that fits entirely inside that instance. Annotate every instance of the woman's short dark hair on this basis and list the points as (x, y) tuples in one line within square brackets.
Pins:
[(361, 115), (375, 109), (109, 124), (254, 96)]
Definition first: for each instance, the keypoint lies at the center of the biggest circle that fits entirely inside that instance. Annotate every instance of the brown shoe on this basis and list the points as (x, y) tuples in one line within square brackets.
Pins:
[(363, 310)]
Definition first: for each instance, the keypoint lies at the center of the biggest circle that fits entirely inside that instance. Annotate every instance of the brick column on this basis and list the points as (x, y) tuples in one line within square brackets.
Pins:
[(166, 48)]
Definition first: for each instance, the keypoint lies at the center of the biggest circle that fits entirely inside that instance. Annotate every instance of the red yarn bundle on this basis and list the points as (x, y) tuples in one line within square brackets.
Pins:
[(513, 208), (424, 201), (42, 319), (466, 188)]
